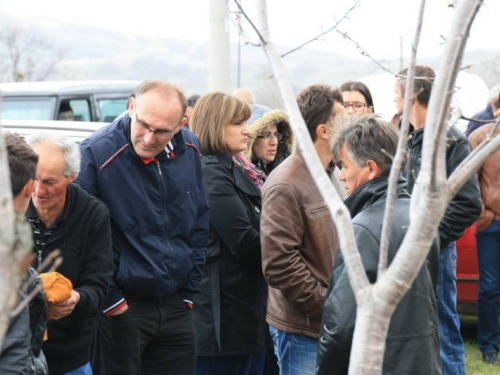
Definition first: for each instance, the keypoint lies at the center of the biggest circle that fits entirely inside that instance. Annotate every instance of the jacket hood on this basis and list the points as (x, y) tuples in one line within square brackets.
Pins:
[(261, 118), (373, 191)]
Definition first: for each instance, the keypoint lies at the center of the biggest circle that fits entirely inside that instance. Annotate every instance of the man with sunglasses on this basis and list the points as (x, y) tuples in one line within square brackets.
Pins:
[(147, 169)]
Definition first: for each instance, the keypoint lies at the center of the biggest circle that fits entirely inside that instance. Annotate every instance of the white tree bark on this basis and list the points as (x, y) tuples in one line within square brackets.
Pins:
[(377, 302)]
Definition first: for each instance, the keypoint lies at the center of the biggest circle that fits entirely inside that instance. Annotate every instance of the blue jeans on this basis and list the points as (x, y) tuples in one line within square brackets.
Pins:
[(452, 345), (488, 255), (84, 370), (296, 353)]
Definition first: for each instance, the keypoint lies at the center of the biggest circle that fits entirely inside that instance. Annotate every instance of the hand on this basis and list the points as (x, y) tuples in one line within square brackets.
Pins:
[(61, 309), (120, 311)]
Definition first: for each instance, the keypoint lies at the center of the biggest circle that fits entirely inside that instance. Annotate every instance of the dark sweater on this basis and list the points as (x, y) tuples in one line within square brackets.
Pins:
[(83, 235)]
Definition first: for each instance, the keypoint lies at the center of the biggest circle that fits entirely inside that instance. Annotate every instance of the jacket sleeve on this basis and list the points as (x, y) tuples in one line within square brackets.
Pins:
[(97, 267), (282, 230), (339, 315), (87, 177), (228, 215), (465, 207), (200, 238)]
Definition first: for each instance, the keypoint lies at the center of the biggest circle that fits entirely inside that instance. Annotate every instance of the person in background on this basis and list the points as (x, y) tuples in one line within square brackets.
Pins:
[(487, 113), (21, 352), (488, 248), (271, 138), (246, 95), (462, 212), (191, 102), (229, 311), (66, 112), (357, 98), (412, 344), (299, 240)]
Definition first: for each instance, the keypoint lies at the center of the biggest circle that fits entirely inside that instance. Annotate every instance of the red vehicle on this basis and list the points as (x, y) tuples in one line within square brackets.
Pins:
[(467, 272)]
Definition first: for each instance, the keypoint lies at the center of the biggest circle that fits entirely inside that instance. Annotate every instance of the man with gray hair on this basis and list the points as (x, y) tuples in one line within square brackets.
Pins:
[(364, 150), (65, 217)]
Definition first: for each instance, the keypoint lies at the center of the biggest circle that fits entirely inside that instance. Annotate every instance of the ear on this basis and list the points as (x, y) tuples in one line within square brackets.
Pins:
[(28, 189), (73, 178), (374, 170), (183, 122), (131, 106), (322, 132)]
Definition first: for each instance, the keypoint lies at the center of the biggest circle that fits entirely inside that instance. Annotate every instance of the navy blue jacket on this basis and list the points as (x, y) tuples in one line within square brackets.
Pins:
[(159, 212), (485, 114)]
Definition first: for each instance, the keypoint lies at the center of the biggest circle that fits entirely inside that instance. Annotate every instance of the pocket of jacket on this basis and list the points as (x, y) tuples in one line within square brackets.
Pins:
[(317, 210)]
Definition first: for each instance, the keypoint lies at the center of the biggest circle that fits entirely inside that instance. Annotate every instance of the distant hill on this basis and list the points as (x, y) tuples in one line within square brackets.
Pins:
[(93, 53)]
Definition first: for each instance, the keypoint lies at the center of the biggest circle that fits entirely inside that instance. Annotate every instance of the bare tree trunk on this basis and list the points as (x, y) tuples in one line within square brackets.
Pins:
[(15, 244), (377, 302)]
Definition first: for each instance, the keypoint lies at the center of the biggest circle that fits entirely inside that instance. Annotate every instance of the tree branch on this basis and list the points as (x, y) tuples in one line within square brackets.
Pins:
[(354, 6), (262, 40), (340, 213), (401, 149)]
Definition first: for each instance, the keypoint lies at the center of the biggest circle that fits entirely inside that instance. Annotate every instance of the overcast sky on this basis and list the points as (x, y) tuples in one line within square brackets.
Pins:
[(377, 25)]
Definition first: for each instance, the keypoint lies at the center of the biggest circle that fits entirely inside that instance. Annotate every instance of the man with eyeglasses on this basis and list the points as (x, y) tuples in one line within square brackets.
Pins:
[(299, 241), (147, 169)]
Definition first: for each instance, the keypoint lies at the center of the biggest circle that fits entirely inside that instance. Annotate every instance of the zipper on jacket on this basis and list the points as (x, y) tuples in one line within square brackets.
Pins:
[(159, 169), (39, 256)]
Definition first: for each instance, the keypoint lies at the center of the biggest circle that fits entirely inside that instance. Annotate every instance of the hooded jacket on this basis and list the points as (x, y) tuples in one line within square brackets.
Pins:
[(261, 118), (412, 344), (465, 207)]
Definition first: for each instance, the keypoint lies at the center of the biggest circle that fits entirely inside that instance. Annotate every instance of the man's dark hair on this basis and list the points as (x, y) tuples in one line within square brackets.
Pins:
[(191, 101), (361, 88), (422, 87), (65, 106), (316, 106), (367, 137), (22, 162)]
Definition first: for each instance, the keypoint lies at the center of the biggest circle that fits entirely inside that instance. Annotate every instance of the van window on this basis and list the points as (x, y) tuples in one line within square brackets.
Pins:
[(74, 110), (111, 108), (26, 109)]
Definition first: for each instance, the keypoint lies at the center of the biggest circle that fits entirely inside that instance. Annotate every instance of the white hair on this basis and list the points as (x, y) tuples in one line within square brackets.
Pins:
[(68, 147)]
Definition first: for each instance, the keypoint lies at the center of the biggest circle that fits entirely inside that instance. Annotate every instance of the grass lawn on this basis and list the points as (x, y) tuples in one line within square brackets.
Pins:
[(473, 360)]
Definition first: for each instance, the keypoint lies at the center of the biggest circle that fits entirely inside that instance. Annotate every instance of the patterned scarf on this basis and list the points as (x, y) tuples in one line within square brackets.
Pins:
[(256, 175)]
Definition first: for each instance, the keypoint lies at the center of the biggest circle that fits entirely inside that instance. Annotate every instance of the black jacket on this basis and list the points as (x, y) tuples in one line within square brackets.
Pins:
[(230, 310), (412, 345), (465, 207), (83, 235), (22, 346)]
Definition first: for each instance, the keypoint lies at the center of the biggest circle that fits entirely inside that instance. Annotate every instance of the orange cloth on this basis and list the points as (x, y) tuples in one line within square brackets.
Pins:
[(57, 289)]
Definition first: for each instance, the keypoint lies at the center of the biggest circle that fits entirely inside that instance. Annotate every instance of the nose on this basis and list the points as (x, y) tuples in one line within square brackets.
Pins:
[(246, 130), (149, 137), (342, 174), (350, 110), (39, 189), (273, 141)]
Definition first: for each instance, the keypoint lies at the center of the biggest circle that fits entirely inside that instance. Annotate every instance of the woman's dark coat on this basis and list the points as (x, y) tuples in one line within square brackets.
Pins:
[(230, 310)]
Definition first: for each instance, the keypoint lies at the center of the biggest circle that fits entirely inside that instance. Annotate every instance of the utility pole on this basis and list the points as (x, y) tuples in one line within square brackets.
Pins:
[(218, 54), (401, 59)]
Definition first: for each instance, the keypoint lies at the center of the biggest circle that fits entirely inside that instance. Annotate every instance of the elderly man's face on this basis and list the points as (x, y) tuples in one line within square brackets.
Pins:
[(353, 175), (51, 185), (156, 118)]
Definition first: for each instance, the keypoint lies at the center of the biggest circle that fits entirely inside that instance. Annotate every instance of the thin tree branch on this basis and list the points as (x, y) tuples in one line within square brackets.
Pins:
[(330, 29), (341, 216), (401, 149), (365, 53), (35, 291), (262, 40)]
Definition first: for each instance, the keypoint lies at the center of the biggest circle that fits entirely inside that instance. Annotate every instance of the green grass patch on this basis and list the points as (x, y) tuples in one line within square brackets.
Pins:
[(474, 364)]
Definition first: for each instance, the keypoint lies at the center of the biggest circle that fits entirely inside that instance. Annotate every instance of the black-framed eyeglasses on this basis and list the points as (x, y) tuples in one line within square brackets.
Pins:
[(356, 106), (268, 136), (160, 134)]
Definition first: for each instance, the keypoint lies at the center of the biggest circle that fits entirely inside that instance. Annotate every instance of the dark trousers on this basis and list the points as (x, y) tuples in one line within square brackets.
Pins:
[(488, 254), (227, 365), (152, 337)]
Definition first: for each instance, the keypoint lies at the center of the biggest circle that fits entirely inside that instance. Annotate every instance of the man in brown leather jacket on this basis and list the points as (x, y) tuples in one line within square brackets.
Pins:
[(488, 249), (299, 241)]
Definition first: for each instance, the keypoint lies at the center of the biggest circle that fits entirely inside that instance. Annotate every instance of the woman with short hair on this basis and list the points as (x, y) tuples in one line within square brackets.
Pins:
[(230, 310)]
